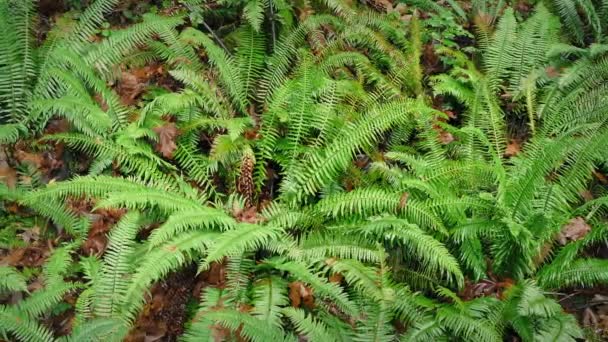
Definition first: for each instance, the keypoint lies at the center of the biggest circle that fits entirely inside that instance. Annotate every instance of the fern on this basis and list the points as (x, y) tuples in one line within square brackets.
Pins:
[(337, 207), (12, 280)]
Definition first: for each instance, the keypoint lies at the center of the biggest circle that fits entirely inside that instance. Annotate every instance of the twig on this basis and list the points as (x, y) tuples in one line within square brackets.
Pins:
[(190, 6), (570, 295), (272, 27), (217, 39)]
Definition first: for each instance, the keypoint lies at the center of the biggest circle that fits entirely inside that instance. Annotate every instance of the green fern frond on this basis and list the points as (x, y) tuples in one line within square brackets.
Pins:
[(248, 327), (113, 283), (23, 327), (250, 56), (183, 221), (307, 325), (226, 66), (269, 296), (41, 301), (158, 263), (246, 237), (320, 285), (580, 273), (497, 57), (120, 44), (10, 133), (325, 164), (253, 13), (87, 118), (106, 329), (12, 280)]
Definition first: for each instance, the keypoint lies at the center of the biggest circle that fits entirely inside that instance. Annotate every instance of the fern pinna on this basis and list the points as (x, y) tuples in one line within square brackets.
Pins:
[(309, 157)]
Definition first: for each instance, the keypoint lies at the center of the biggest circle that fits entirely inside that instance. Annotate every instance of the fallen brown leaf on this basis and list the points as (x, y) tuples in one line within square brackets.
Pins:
[(445, 137), (600, 177), (294, 294), (403, 200), (97, 239), (30, 256), (167, 134), (129, 88), (513, 148), (8, 176), (574, 230), (552, 72), (587, 195), (24, 157), (300, 294), (336, 278), (249, 215)]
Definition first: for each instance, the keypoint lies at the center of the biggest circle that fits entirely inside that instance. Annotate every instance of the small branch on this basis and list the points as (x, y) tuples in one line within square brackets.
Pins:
[(217, 39), (568, 296), (272, 26)]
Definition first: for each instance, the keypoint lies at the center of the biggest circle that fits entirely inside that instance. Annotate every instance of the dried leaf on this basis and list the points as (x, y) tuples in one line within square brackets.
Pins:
[(430, 60), (576, 229), (307, 296), (552, 72), (300, 294), (167, 134), (545, 250), (8, 176), (216, 275), (97, 239), (31, 235), (445, 137), (294, 294), (129, 88), (29, 257), (382, 5), (403, 200), (249, 215), (513, 148), (589, 318), (164, 314), (600, 177), (24, 157), (587, 195), (336, 278)]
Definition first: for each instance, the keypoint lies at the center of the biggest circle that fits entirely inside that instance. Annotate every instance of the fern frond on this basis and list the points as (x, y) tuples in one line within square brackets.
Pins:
[(158, 263), (250, 57), (320, 285), (98, 329), (497, 59), (120, 44), (325, 164), (113, 283), (43, 300), (253, 13), (246, 237), (269, 296), (226, 67), (248, 327), (12, 280), (307, 325), (24, 328), (183, 221)]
